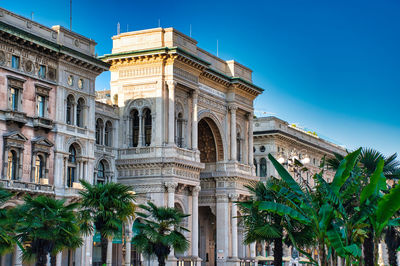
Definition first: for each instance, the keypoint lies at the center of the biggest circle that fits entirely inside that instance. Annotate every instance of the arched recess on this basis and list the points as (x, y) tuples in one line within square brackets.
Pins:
[(210, 141)]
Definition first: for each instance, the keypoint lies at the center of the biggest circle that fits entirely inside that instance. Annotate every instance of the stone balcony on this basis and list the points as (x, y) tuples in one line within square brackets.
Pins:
[(23, 186), (227, 169), (104, 149), (159, 152), (43, 122), (16, 117)]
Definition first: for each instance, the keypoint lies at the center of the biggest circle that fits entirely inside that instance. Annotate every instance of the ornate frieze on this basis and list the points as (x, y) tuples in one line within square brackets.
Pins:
[(139, 71)]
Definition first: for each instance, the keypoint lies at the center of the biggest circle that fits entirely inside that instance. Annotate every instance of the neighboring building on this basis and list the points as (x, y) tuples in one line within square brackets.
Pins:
[(47, 128), (184, 137)]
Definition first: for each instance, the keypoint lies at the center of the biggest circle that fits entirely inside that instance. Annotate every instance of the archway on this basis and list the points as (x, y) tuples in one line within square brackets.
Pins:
[(209, 141)]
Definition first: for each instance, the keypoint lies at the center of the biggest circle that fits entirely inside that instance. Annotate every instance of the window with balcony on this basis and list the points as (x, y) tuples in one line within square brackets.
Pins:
[(15, 62), (41, 105), (39, 168), (14, 98), (42, 71)]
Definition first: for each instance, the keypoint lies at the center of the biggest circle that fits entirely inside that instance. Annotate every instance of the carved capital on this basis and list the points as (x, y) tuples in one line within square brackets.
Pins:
[(195, 191), (171, 83), (171, 186), (232, 107), (233, 197), (195, 93)]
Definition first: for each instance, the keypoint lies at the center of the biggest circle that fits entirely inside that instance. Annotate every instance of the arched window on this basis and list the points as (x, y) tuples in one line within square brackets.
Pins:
[(70, 110), (179, 130), (100, 173), (134, 117), (99, 131), (12, 165), (108, 134), (39, 168), (263, 167), (147, 127), (79, 112), (238, 147), (71, 166), (255, 164)]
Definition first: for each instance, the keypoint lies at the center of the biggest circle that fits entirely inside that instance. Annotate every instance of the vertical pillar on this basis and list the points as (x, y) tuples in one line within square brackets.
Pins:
[(159, 115), (258, 169), (194, 120), (171, 186), (109, 252), (195, 221), (232, 109), (234, 226), (263, 252), (222, 215), (18, 256), (59, 259), (141, 126), (250, 142), (253, 250), (65, 172), (171, 111), (128, 245)]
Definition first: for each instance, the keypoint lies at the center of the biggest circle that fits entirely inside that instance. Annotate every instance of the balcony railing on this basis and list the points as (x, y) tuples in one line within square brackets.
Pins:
[(187, 261), (43, 122), (18, 185), (16, 116)]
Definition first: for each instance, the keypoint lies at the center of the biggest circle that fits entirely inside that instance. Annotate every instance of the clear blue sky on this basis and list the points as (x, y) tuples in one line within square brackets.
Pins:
[(330, 66)]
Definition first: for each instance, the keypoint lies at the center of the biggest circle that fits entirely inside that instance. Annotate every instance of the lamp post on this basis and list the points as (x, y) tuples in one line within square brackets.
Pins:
[(295, 162)]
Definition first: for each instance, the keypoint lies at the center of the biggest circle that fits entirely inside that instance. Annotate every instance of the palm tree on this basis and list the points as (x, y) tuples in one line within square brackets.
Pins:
[(159, 229), (45, 226), (104, 207), (267, 226), (369, 159), (6, 227)]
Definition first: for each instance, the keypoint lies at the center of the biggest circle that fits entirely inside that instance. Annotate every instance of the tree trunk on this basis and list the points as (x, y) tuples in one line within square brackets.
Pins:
[(322, 254), (41, 259), (161, 260), (392, 244), (368, 247), (278, 251), (104, 243), (376, 251)]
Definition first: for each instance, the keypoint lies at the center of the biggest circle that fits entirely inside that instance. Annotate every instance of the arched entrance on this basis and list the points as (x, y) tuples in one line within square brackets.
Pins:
[(209, 141)]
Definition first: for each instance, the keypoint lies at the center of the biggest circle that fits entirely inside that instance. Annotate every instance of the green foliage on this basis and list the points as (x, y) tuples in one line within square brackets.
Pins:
[(45, 226), (159, 229), (6, 226)]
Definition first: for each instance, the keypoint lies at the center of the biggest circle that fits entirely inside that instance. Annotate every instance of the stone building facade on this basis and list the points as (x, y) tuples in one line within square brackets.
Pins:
[(47, 128), (184, 135)]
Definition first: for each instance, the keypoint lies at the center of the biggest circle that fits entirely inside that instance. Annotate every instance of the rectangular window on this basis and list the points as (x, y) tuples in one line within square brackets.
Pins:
[(14, 98), (15, 62), (41, 105), (42, 71)]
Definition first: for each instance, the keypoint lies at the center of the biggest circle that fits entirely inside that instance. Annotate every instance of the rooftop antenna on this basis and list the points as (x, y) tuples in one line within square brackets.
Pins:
[(70, 15), (32, 16), (190, 31), (217, 48), (159, 23), (118, 29)]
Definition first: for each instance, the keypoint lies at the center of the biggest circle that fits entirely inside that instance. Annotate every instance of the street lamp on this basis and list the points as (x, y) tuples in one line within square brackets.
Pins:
[(295, 163)]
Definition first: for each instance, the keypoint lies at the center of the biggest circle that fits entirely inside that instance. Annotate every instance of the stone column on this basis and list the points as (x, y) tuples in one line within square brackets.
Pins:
[(234, 226), (263, 253), (194, 120), (171, 186), (171, 111), (18, 256), (141, 127), (109, 252), (253, 250), (128, 245), (65, 172), (159, 115), (195, 221), (232, 109), (250, 142), (59, 259), (222, 216)]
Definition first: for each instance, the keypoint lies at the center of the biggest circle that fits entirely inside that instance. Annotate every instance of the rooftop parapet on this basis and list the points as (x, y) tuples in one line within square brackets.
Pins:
[(171, 38)]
